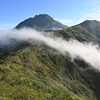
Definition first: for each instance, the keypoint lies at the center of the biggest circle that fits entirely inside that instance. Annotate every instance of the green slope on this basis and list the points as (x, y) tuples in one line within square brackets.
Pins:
[(77, 32), (30, 72), (92, 26), (36, 74)]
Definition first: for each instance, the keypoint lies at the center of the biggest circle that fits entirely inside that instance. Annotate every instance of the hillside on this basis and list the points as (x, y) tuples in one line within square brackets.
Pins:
[(38, 72), (77, 32), (92, 26), (31, 71), (41, 22)]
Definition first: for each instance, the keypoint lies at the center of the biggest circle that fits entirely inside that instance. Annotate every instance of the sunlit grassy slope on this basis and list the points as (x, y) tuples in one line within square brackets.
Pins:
[(29, 72)]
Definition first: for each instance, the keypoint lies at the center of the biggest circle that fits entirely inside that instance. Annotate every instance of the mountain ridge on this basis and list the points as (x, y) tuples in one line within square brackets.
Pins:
[(31, 71), (93, 26), (41, 22)]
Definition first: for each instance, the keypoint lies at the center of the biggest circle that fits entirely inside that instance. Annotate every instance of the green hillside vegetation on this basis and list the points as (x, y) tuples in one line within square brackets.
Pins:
[(31, 72), (92, 26), (77, 32)]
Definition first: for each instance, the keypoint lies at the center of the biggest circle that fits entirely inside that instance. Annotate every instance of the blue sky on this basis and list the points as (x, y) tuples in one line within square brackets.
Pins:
[(69, 12)]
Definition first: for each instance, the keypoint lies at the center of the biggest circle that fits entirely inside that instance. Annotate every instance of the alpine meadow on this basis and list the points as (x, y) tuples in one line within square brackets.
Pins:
[(42, 58)]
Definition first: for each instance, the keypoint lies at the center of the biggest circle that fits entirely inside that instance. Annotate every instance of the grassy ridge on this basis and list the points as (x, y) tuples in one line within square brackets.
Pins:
[(28, 72), (77, 32), (33, 73)]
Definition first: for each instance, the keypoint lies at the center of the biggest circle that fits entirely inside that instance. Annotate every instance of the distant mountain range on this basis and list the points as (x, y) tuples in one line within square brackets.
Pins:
[(41, 22)]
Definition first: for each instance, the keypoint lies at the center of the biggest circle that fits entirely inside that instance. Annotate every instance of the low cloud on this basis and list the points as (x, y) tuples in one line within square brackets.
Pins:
[(89, 52)]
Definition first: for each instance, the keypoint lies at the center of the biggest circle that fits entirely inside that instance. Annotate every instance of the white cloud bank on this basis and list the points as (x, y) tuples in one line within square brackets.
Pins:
[(87, 51)]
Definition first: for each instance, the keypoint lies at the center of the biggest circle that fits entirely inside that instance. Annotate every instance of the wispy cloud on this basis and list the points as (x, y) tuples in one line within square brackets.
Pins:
[(65, 21), (89, 52), (93, 10), (94, 15)]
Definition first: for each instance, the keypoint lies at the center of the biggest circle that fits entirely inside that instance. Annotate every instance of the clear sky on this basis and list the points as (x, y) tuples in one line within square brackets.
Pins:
[(69, 12)]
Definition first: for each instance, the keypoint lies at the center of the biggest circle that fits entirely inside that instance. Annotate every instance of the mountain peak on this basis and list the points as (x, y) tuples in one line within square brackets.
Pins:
[(41, 22), (93, 26), (90, 21), (42, 15)]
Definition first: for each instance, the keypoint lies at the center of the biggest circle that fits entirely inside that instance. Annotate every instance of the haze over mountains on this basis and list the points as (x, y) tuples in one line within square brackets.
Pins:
[(50, 65)]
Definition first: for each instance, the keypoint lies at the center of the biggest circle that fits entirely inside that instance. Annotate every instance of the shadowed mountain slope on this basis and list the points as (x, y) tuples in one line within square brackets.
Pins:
[(92, 26), (41, 22)]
